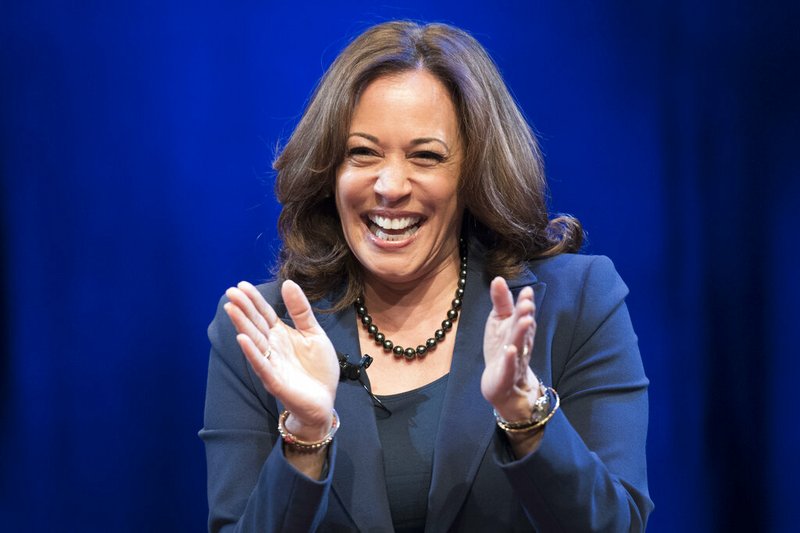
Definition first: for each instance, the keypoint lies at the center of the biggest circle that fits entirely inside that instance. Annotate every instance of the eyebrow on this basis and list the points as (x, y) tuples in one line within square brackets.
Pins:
[(414, 142)]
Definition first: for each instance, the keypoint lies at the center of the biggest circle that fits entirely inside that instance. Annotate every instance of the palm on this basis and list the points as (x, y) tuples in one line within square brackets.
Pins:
[(303, 377), (496, 335), (507, 342), (301, 370)]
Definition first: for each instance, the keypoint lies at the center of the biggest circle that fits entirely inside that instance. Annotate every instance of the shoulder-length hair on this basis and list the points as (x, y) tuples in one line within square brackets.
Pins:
[(502, 184)]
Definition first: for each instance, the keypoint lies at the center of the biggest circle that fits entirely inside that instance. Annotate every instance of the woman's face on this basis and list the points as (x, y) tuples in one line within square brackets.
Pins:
[(396, 191)]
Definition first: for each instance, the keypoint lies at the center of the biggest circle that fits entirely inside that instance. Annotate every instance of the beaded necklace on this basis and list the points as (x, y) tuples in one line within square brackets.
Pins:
[(438, 336)]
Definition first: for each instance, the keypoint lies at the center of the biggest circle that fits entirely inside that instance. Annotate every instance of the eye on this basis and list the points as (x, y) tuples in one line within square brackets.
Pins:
[(361, 154), (360, 150), (428, 157)]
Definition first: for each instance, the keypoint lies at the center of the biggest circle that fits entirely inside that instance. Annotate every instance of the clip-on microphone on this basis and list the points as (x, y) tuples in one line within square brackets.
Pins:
[(348, 370)]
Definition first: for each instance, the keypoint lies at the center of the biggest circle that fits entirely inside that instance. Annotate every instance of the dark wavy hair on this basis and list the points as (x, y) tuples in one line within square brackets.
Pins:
[(502, 184)]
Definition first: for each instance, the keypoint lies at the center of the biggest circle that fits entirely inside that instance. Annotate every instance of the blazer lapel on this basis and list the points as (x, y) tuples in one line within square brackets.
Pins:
[(467, 424), (358, 479)]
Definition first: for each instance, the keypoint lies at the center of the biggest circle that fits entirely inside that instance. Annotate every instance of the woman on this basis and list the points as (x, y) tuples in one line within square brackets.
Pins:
[(413, 191)]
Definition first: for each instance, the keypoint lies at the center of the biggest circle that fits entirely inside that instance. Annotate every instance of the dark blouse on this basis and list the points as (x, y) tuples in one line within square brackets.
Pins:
[(407, 438)]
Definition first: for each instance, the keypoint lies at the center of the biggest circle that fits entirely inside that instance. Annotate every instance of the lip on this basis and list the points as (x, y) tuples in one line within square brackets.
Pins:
[(394, 244), (392, 213)]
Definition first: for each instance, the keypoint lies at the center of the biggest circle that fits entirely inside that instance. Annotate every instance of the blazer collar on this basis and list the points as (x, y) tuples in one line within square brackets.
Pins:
[(358, 481), (466, 424)]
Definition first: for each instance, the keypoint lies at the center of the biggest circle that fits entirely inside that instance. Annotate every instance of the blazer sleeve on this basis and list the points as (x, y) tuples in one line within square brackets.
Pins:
[(251, 486), (589, 474)]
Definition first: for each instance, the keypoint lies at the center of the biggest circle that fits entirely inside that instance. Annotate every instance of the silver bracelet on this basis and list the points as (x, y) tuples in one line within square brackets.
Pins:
[(539, 417)]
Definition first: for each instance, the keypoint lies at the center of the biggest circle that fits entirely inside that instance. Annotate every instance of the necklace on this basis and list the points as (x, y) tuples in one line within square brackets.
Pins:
[(438, 336)]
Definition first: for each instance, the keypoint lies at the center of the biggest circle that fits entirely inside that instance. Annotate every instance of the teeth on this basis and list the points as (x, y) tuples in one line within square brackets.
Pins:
[(392, 237), (393, 223), (382, 225)]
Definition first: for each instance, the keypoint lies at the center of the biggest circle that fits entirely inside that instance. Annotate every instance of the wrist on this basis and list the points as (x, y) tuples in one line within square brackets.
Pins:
[(307, 431), (522, 404), (303, 443), (541, 411)]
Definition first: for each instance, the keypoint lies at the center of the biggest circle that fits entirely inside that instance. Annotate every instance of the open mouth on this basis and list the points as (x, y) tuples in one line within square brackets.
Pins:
[(393, 229)]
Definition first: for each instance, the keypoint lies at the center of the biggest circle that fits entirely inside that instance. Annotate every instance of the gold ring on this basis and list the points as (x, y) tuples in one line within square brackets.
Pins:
[(268, 352)]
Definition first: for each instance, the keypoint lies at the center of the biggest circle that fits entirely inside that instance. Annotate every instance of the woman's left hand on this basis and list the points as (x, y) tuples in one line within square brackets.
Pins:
[(508, 382)]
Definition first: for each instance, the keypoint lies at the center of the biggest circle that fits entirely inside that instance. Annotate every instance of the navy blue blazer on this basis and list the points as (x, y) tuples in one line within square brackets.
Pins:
[(589, 473)]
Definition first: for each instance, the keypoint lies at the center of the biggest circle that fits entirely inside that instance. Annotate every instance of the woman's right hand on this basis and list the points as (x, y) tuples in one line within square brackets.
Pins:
[(302, 370)]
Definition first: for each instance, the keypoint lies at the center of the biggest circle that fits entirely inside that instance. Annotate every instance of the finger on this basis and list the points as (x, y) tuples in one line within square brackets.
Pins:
[(526, 293), (527, 307), (261, 305), (245, 327), (524, 304), (261, 365), (521, 334), (247, 306), (502, 299), (299, 308), (524, 307)]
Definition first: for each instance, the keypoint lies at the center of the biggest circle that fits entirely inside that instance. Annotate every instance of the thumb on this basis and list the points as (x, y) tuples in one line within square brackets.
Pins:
[(299, 308), (502, 299)]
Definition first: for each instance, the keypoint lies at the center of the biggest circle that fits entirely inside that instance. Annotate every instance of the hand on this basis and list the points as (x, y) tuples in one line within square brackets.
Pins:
[(302, 370), (508, 382)]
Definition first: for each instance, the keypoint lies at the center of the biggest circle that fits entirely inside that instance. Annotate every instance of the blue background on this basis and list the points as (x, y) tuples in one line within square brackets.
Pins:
[(135, 149)]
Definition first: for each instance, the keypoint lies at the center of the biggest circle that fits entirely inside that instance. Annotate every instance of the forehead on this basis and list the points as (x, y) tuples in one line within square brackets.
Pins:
[(411, 99)]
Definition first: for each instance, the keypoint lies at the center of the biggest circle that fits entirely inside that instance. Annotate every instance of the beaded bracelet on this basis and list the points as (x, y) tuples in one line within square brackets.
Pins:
[(535, 422), (304, 446)]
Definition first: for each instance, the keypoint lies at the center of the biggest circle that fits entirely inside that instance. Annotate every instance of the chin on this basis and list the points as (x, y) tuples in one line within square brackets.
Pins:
[(389, 273)]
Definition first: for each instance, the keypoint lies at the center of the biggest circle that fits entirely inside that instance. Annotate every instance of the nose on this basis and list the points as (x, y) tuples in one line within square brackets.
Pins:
[(392, 184)]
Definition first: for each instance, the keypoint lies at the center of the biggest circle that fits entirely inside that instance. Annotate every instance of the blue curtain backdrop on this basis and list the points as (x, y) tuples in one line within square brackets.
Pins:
[(136, 141)]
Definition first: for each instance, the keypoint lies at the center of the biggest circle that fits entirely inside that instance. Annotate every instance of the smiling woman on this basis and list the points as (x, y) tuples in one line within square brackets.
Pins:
[(396, 190), (413, 187)]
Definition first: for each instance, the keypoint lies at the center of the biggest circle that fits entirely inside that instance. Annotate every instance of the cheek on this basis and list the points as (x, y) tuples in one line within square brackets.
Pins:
[(447, 192), (340, 193), (345, 189), (347, 195)]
